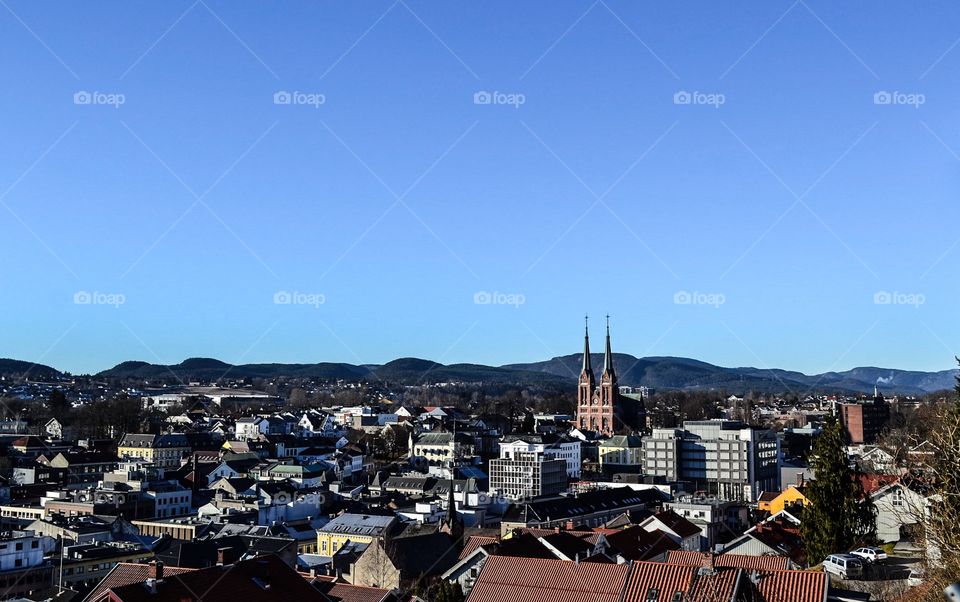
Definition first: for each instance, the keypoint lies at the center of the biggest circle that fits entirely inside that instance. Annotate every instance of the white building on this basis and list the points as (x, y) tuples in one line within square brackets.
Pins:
[(551, 447), (252, 428)]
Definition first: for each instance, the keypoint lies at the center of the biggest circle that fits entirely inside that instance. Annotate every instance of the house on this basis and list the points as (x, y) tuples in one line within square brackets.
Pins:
[(357, 528), (778, 535), (401, 562), (252, 427), (163, 450), (791, 496), (900, 507), (620, 453), (262, 578), (680, 530), (589, 509), (316, 423), (511, 579)]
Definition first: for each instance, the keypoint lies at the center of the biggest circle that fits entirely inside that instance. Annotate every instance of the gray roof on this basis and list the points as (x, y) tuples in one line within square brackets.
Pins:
[(358, 524)]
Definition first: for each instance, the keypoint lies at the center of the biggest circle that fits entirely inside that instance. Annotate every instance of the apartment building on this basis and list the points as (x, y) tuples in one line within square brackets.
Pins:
[(725, 458)]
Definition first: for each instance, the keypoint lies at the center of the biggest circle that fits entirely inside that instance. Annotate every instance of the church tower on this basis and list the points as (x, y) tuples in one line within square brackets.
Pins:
[(608, 379), (587, 381), (598, 407)]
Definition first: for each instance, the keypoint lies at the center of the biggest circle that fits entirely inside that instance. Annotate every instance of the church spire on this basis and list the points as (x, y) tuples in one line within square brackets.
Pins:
[(587, 368), (608, 354)]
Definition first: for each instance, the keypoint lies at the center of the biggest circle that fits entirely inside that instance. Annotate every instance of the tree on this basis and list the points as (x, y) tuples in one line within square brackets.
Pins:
[(445, 591), (940, 518), (840, 515)]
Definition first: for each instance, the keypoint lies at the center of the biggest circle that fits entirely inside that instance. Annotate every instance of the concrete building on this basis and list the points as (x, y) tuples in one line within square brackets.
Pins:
[(528, 474), (725, 458), (864, 420), (553, 447)]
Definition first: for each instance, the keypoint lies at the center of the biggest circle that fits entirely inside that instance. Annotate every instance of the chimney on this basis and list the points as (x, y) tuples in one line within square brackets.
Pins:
[(708, 567), (221, 553), (799, 479), (156, 570)]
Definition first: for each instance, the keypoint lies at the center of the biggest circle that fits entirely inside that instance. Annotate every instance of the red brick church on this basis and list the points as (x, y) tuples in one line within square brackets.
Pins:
[(603, 409)]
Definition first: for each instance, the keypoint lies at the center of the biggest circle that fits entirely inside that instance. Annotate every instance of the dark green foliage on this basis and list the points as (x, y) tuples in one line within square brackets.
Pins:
[(839, 516), (445, 591)]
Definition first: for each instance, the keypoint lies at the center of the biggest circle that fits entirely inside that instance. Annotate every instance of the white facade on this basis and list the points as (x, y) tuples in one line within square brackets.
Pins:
[(252, 428), (568, 451)]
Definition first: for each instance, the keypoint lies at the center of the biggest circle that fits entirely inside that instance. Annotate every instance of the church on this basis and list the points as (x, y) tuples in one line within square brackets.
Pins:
[(603, 409)]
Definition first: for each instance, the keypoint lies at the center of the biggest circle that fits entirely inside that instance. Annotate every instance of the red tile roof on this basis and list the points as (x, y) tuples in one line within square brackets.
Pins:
[(473, 542), (127, 573), (263, 578), (661, 581), (343, 592), (740, 561), (775, 586), (510, 579)]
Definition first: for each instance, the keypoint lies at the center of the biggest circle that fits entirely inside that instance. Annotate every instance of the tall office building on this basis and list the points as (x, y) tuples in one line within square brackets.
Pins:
[(725, 458)]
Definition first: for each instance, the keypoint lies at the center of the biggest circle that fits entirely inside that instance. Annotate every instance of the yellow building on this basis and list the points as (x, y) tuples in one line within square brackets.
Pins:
[(356, 528), (788, 497), (621, 450), (164, 450)]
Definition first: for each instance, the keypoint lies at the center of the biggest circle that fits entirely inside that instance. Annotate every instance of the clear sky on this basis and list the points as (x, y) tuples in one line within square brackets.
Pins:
[(462, 181)]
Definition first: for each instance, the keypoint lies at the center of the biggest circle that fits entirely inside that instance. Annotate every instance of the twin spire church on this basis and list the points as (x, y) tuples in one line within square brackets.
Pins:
[(604, 409)]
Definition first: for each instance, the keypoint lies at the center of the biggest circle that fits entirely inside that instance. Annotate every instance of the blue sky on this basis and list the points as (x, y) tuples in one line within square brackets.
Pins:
[(800, 211)]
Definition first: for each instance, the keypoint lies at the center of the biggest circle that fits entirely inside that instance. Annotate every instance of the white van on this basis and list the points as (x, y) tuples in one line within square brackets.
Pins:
[(845, 566)]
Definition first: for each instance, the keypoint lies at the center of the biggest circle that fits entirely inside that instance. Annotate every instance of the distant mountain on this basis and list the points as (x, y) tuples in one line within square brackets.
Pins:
[(663, 373), (406, 371), (416, 371), (21, 369), (690, 374), (199, 368)]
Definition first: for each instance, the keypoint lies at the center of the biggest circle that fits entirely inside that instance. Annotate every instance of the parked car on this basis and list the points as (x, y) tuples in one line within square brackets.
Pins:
[(845, 566), (872, 555)]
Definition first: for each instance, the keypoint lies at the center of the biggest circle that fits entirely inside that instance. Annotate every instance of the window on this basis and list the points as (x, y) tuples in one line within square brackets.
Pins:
[(898, 500), (652, 594)]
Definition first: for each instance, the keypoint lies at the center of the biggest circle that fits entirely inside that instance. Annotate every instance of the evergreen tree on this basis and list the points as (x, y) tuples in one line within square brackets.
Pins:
[(445, 591), (839, 516)]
